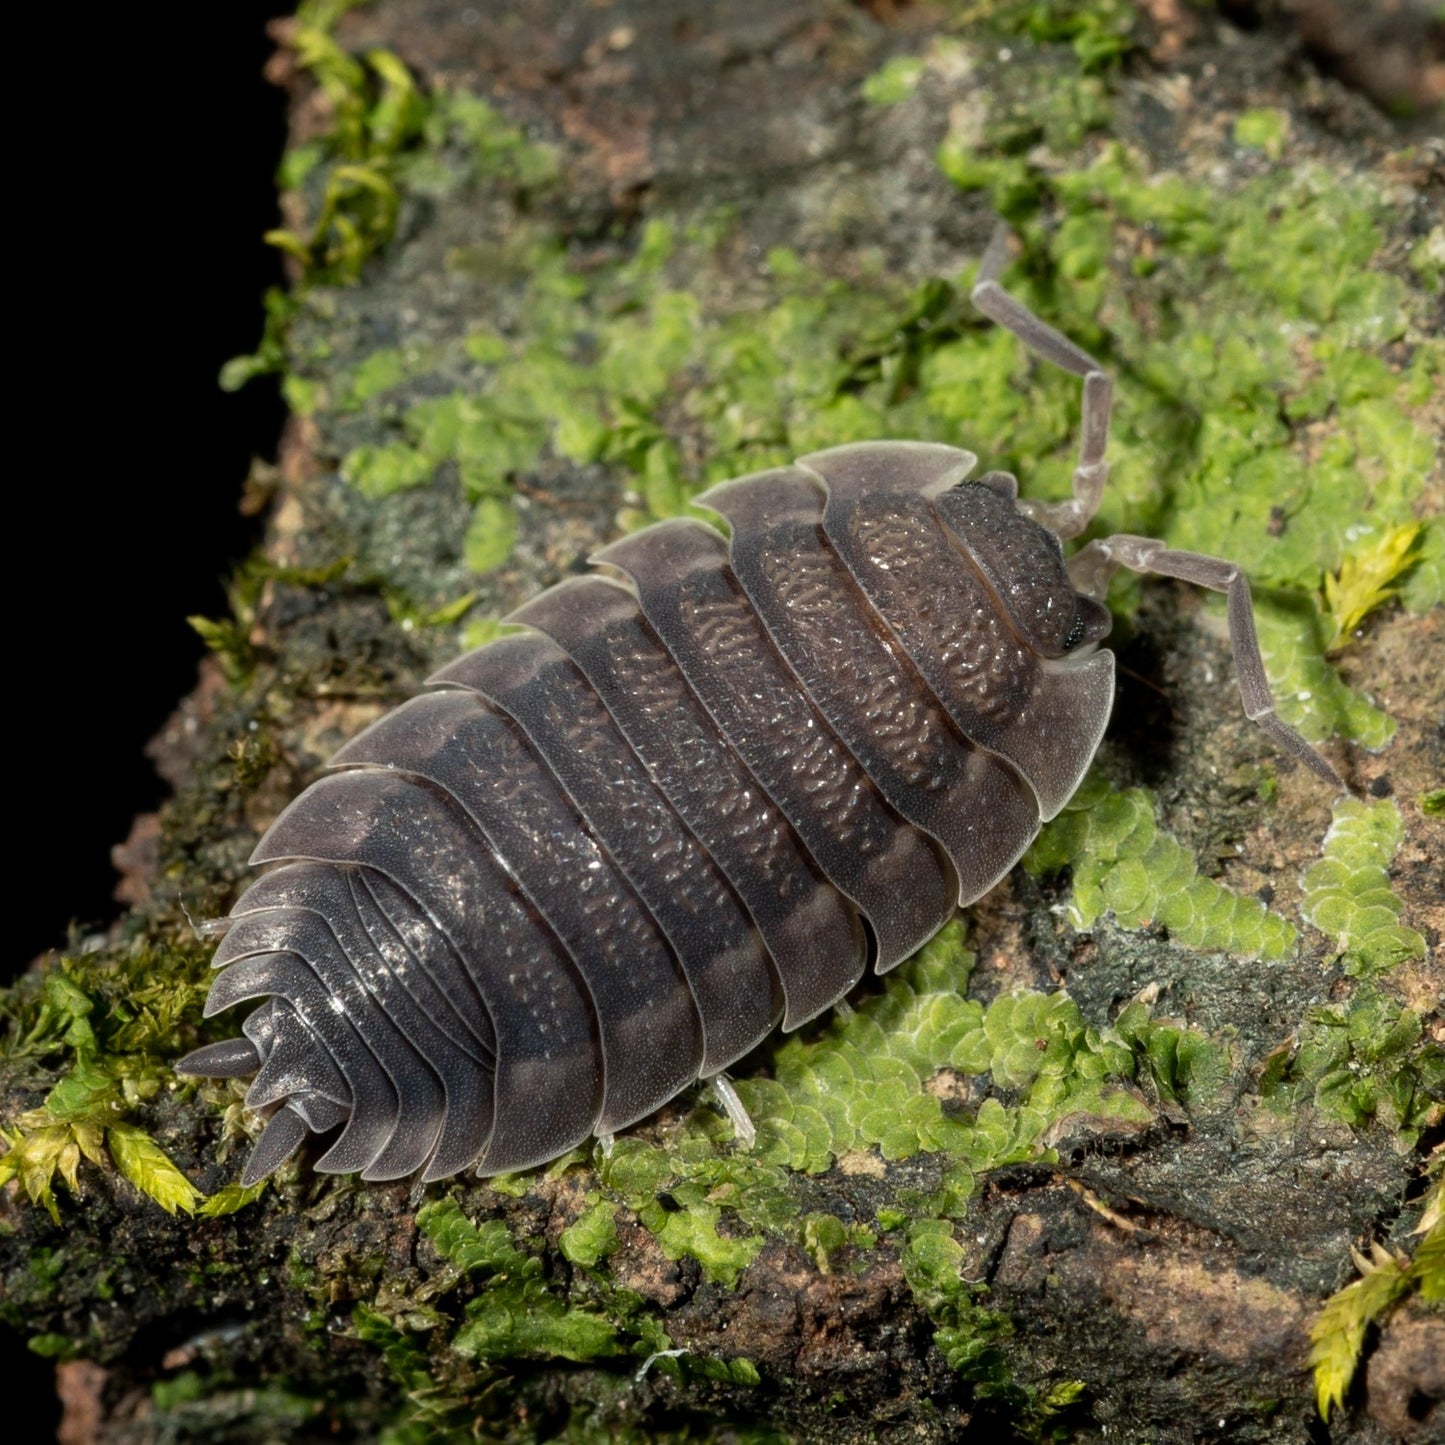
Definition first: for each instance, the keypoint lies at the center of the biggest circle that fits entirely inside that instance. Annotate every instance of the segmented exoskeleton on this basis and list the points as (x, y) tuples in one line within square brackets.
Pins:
[(614, 851)]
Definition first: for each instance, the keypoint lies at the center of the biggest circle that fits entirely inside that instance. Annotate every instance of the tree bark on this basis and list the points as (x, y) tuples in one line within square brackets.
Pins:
[(1127, 1275)]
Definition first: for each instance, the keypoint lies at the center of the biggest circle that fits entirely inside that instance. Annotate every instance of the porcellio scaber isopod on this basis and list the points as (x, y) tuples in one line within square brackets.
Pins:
[(698, 797)]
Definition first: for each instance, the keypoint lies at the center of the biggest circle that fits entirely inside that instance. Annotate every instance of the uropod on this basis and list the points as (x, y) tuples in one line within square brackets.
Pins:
[(697, 797)]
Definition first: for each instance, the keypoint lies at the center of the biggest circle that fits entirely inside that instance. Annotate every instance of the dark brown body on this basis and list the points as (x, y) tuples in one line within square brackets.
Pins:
[(619, 848)]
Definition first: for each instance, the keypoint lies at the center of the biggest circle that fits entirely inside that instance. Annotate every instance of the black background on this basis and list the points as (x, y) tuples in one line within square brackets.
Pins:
[(154, 184)]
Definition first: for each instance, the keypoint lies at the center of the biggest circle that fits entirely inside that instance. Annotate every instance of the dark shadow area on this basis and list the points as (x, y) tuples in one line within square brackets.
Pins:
[(1145, 721), (1390, 52), (152, 268), (39, 1415)]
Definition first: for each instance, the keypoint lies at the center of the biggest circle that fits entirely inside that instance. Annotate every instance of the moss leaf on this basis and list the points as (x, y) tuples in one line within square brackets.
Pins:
[(230, 1198), (1366, 578), (1348, 893), (488, 542), (1339, 1330), (378, 471), (592, 1236), (486, 1247), (150, 1169), (1124, 866), (34, 1158)]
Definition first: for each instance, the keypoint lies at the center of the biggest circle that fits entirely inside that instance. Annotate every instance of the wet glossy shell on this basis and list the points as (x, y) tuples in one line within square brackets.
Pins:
[(613, 852)]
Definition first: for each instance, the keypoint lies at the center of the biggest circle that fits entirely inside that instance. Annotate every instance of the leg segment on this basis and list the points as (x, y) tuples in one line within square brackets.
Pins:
[(1069, 518), (1091, 568), (744, 1130)]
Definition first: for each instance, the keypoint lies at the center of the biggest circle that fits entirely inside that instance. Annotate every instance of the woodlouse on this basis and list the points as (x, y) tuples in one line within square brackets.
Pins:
[(619, 848)]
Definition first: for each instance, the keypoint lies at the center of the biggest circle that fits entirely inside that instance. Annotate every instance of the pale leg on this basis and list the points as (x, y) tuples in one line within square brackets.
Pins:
[(743, 1127), (1091, 568), (1067, 519)]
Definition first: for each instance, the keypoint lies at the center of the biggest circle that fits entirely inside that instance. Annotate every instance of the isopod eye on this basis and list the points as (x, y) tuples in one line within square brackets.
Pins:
[(1092, 623), (1023, 563)]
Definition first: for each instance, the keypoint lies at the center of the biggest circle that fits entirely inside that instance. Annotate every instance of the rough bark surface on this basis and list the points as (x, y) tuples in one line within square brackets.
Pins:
[(1172, 1266)]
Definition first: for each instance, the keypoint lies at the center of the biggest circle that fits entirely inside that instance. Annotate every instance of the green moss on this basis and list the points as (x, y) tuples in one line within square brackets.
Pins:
[(516, 1313), (527, 1321), (1184, 1065), (494, 1303), (1309, 694), (229, 638), (43, 1270), (378, 471), (430, 1412), (469, 1247), (1098, 31), (825, 1235), (1124, 866), (1360, 1061), (230, 1198), (104, 1023), (864, 1082), (893, 81), (1385, 1278), (270, 356), (1424, 584), (970, 1336), (487, 542), (1265, 128), (150, 1169), (181, 1389), (737, 1371), (1268, 313), (592, 1236), (563, 385), (346, 179), (1348, 894), (1427, 259), (967, 1334), (687, 1228), (50, 1346), (495, 148), (377, 374), (385, 138), (193, 1402), (1367, 578)]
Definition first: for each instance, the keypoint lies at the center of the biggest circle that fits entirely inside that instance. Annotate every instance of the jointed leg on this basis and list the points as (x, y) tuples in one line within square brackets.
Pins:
[(1069, 518), (1091, 568), (744, 1130)]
